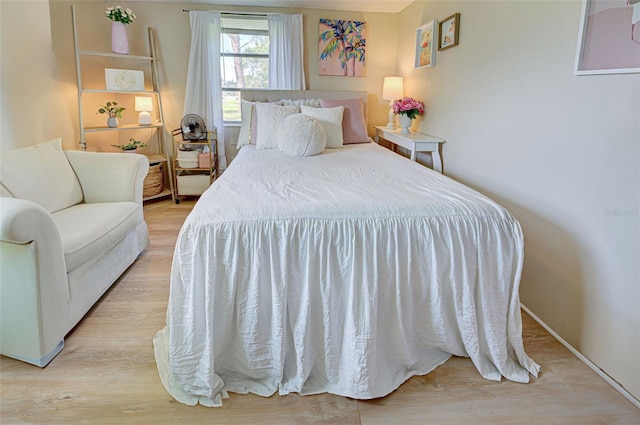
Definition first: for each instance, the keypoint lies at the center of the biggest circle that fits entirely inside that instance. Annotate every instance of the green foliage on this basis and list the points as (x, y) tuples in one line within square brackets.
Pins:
[(118, 14), (112, 109), (250, 72), (242, 72), (132, 145)]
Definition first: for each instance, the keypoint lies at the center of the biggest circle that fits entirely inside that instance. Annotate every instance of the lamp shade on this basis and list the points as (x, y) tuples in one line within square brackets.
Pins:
[(392, 88), (144, 104)]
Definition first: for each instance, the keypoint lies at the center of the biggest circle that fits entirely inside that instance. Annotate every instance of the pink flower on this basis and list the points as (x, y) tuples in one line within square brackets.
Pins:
[(408, 106)]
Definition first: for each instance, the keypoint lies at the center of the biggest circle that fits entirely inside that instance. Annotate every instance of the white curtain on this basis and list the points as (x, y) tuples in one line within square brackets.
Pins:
[(204, 84), (286, 52)]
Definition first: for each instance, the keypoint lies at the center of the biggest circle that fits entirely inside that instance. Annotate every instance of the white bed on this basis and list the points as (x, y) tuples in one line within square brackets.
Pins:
[(346, 272)]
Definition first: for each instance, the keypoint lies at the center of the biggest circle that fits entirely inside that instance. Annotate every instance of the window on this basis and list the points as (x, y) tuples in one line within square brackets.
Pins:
[(244, 59)]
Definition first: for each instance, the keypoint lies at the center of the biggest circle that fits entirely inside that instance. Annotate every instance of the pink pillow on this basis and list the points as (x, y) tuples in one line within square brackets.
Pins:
[(354, 127)]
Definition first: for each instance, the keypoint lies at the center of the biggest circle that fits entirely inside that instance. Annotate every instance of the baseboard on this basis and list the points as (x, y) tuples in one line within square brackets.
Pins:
[(585, 360)]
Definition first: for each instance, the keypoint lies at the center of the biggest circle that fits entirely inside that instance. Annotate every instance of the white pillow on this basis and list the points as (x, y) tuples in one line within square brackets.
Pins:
[(331, 120), (301, 135), (244, 137), (269, 118)]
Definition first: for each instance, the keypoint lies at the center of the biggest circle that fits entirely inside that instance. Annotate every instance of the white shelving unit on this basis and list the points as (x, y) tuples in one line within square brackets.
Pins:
[(158, 149)]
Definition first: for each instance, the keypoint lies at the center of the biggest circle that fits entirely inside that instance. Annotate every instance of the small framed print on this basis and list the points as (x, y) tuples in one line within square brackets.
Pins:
[(124, 79), (426, 37), (449, 32)]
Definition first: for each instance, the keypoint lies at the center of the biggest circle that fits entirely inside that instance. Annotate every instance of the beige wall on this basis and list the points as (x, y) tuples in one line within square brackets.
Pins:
[(34, 99), (560, 151)]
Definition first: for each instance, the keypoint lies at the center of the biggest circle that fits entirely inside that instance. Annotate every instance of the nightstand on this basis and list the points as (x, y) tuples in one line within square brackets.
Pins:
[(414, 142)]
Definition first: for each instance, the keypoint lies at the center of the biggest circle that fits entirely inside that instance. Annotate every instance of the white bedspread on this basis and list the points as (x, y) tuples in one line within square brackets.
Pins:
[(346, 272)]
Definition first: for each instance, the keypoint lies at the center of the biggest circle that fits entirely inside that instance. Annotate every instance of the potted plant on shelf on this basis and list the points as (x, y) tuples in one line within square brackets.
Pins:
[(132, 146), (113, 111)]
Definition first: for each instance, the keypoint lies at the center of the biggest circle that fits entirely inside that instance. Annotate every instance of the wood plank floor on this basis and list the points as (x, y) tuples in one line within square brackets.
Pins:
[(106, 374)]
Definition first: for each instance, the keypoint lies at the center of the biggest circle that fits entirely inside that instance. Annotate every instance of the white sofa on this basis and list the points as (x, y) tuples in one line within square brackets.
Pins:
[(71, 223)]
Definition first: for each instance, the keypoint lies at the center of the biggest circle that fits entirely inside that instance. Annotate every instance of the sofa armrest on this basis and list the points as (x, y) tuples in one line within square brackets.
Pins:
[(109, 176), (23, 222), (33, 285)]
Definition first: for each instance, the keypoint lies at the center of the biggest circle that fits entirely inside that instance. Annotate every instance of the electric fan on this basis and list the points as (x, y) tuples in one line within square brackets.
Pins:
[(193, 127)]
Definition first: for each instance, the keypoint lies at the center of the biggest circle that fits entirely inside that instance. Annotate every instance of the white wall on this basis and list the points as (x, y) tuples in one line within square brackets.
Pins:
[(561, 152)]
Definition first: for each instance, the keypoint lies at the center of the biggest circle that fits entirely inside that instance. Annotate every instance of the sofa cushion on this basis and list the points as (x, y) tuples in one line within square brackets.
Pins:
[(90, 230), (41, 174)]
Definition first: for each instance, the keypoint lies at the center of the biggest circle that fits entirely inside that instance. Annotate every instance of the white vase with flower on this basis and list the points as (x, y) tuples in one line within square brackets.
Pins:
[(408, 109), (120, 17)]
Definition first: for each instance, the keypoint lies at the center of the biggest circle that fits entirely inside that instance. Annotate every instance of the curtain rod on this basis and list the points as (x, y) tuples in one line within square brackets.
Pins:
[(262, 15)]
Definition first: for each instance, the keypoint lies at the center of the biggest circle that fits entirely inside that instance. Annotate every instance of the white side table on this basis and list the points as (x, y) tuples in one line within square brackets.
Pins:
[(414, 142)]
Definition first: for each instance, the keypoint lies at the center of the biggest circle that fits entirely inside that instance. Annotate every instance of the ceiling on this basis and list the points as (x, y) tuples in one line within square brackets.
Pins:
[(388, 6)]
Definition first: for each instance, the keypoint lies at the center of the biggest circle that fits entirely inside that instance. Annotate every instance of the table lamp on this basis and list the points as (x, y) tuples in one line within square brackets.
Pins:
[(144, 105), (391, 90)]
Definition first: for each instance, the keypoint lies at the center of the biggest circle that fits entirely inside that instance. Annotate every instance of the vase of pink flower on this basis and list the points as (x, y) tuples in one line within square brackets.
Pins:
[(408, 109)]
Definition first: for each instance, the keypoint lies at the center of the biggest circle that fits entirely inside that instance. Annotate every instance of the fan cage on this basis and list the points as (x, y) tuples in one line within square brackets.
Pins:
[(193, 128)]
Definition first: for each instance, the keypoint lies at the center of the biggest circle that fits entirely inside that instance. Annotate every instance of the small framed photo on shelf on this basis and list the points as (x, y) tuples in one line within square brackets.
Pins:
[(426, 37), (449, 30), (124, 79)]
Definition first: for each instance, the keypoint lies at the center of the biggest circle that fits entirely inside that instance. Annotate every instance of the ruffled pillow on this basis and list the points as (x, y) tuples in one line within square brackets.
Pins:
[(301, 135)]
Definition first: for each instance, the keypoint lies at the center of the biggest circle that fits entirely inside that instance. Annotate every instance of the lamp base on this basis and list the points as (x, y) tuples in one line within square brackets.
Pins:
[(144, 118), (391, 124)]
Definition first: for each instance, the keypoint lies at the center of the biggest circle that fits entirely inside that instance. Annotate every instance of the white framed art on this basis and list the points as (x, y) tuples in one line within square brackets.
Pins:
[(426, 39), (124, 79), (608, 38)]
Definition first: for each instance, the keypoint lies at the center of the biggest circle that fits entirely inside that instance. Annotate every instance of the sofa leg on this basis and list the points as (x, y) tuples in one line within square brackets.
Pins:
[(44, 360)]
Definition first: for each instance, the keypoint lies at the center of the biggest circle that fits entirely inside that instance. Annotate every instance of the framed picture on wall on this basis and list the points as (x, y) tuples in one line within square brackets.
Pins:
[(342, 46), (448, 32), (608, 38), (426, 37)]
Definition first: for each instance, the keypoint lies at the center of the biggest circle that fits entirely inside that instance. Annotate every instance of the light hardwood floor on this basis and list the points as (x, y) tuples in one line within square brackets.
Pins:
[(106, 374)]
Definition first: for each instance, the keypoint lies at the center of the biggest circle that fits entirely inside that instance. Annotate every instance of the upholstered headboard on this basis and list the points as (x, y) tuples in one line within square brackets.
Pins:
[(275, 95)]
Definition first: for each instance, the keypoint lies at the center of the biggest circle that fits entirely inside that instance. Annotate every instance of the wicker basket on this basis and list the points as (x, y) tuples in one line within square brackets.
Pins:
[(154, 182)]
